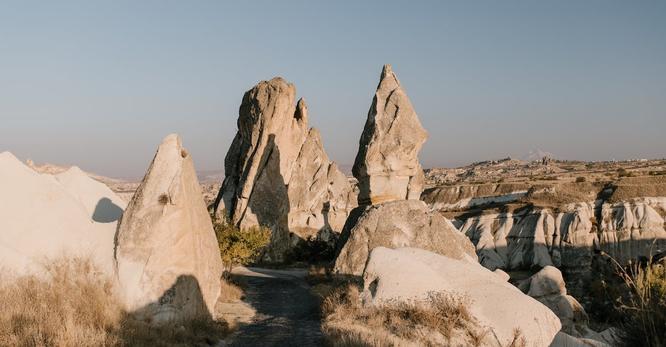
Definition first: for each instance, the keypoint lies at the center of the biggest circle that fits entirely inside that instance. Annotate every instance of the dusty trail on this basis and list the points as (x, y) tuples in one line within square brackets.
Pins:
[(286, 311)]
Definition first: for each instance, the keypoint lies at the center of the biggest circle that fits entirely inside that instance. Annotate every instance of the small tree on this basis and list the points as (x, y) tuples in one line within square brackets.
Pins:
[(240, 247)]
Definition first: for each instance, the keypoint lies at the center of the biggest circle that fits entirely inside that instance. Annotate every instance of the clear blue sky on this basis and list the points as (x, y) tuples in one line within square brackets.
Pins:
[(99, 83)]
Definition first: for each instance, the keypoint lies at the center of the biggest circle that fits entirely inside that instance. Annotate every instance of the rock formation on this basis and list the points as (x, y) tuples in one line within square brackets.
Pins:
[(168, 260), (391, 181), (278, 174), (387, 165), (44, 216), (547, 286), (400, 224), (410, 274)]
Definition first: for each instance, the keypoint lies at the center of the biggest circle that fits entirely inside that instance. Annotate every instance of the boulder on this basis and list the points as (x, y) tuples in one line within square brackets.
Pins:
[(387, 165), (414, 275), (396, 224), (549, 288), (278, 174), (167, 256), (44, 217)]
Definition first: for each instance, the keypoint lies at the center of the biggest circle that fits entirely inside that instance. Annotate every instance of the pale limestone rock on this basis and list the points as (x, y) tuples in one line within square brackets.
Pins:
[(320, 196), (502, 274), (387, 165), (549, 288), (395, 224), (278, 174), (535, 237), (410, 274), (102, 204), (168, 260), (633, 228), (44, 217)]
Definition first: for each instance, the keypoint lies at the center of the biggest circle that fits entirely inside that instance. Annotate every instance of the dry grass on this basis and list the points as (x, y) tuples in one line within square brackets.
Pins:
[(445, 320), (635, 187), (73, 304), (230, 292), (645, 310)]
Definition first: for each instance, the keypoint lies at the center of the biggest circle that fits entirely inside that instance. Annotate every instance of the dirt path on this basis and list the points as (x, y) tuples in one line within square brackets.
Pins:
[(286, 311)]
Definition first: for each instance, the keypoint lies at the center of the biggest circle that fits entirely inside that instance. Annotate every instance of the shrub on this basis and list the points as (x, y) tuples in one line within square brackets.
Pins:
[(240, 247), (645, 309), (622, 172), (74, 304), (580, 179)]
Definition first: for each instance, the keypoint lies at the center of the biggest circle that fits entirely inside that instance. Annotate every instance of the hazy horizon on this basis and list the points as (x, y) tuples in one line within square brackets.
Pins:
[(98, 85)]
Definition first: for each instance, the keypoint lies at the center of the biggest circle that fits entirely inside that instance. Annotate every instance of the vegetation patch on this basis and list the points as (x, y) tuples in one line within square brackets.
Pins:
[(73, 304), (443, 320), (240, 247)]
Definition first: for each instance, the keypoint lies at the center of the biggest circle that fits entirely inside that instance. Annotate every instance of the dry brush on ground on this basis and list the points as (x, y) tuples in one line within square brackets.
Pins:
[(73, 304)]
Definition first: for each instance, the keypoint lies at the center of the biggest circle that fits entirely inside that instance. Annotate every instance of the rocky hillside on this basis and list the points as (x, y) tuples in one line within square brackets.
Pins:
[(526, 215)]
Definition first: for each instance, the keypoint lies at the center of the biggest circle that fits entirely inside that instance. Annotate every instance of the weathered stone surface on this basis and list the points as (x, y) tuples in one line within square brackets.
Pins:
[(44, 216), (567, 237), (395, 224), (168, 260), (320, 195), (549, 288), (387, 165), (407, 274), (278, 174)]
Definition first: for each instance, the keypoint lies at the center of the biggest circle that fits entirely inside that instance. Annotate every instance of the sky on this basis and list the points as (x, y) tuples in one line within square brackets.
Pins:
[(98, 84)]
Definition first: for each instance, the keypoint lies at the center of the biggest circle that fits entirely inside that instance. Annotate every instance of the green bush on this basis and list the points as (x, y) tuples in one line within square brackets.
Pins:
[(240, 247)]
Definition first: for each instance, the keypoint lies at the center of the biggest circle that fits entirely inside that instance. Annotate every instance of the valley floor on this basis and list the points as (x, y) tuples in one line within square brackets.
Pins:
[(287, 314)]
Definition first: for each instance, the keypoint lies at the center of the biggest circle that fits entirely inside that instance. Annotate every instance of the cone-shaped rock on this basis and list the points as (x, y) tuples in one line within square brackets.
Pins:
[(387, 165), (390, 183), (167, 257), (278, 174)]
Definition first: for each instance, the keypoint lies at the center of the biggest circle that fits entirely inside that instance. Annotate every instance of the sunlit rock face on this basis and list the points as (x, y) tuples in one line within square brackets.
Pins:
[(45, 216), (390, 184), (387, 165), (396, 224), (394, 276), (167, 257), (278, 174)]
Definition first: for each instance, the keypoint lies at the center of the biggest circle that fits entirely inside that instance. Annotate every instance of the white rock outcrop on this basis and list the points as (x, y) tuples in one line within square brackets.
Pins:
[(44, 217), (548, 287), (167, 256), (390, 184), (408, 274), (278, 174), (387, 165), (397, 224), (569, 236)]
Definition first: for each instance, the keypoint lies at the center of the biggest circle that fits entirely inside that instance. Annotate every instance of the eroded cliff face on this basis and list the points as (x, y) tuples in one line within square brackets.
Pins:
[(567, 237), (514, 228)]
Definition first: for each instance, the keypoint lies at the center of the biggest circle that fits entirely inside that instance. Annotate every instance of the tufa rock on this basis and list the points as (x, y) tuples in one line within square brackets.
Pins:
[(394, 276), (398, 224), (43, 216), (278, 174), (167, 257), (387, 165), (549, 288)]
